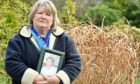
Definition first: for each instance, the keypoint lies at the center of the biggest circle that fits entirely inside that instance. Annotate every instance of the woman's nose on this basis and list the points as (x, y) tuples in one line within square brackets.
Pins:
[(44, 15)]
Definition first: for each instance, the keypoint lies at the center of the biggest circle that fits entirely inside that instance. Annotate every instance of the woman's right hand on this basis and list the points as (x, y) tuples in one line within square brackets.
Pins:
[(39, 80)]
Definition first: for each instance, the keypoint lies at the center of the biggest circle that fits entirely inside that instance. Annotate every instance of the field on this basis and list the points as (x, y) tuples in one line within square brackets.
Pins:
[(109, 56)]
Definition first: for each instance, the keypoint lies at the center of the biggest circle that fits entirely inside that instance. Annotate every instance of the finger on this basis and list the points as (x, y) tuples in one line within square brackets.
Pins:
[(45, 77), (42, 82)]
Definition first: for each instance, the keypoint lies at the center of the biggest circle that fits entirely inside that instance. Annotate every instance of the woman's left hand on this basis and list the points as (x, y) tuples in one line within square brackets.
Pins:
[(52, 79)]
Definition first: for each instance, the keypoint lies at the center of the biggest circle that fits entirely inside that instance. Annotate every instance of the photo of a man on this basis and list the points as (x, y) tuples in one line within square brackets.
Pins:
[(50, 65)]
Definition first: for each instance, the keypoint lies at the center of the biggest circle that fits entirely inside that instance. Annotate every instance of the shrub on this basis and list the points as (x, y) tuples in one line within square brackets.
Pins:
[(67, 14), (13, 15), (99, 12)]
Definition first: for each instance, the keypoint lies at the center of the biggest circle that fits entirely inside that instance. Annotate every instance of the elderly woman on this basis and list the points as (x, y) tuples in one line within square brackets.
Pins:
[(23, 49)]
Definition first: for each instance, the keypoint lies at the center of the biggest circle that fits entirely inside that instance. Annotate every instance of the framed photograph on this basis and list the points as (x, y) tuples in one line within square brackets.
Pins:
[(50, 61)]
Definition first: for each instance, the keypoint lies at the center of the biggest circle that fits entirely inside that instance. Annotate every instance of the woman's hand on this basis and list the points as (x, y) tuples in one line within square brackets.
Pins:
[(40, 80), (52, 79)]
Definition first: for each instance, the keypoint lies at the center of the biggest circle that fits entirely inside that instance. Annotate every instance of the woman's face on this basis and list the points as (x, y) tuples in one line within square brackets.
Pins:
[(42, 20)]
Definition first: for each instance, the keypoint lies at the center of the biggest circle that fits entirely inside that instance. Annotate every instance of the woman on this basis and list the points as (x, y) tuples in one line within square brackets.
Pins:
[(23, 49)]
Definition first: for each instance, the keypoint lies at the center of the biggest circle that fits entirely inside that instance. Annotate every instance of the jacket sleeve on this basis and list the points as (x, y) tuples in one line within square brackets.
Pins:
[(72, 65), (14, 65)]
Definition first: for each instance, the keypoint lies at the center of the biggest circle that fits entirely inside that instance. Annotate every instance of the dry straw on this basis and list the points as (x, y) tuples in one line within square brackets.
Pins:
[(108, 57)]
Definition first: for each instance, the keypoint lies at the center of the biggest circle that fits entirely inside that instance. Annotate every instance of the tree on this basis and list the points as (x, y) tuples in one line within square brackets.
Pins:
[(13, 15), (101, 14), (128, 8), (67, 14)]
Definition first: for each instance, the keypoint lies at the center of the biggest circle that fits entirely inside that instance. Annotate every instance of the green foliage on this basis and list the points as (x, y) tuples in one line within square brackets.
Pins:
[(115, 9), (129, 9), (137, 81), (13, 15), (4, 78), (133, 15), (100, 12), (67, 14), (127, 29)]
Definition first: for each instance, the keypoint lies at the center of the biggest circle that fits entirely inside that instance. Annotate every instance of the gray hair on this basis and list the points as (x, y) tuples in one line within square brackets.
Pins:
[(49, 8)]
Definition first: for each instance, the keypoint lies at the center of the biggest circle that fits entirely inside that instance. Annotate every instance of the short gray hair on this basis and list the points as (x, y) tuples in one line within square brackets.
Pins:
[(49, 7)]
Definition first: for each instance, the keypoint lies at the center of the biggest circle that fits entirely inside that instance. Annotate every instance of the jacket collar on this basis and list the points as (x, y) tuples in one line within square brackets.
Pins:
[(26, 31)]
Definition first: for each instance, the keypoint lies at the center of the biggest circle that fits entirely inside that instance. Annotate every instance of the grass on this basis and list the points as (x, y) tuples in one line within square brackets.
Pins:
[(137, 80), (109, 57)]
